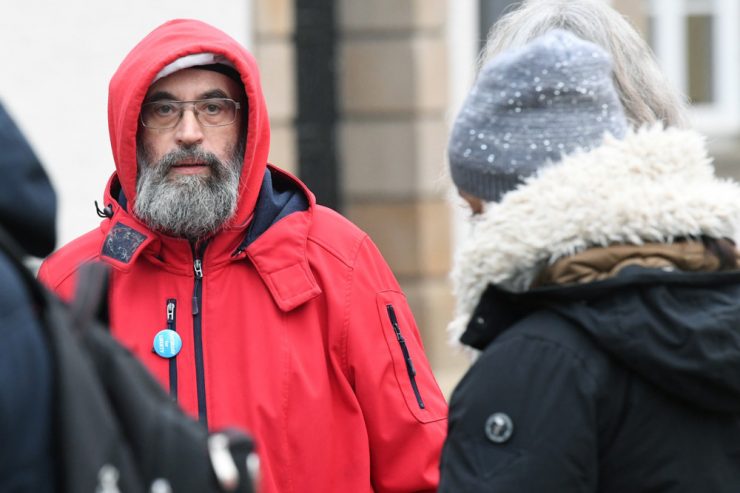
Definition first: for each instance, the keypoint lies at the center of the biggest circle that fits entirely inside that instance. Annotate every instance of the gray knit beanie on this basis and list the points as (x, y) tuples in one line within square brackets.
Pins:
[(531, 106)]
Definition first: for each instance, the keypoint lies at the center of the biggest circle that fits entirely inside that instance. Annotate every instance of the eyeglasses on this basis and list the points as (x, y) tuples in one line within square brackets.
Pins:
[(212, 112)]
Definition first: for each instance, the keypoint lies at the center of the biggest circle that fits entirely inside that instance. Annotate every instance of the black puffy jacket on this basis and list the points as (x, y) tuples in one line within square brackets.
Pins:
[(626, 385)]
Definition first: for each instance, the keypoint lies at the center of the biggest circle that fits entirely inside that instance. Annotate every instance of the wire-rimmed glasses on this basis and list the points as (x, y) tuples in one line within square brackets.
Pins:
[(211, 112)]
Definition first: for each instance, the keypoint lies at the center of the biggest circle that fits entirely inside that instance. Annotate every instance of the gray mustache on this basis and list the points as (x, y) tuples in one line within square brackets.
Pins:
[(174, 157)]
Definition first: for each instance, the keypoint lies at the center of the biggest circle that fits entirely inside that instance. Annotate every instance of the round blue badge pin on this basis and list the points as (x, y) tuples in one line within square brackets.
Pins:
[(167, 343)]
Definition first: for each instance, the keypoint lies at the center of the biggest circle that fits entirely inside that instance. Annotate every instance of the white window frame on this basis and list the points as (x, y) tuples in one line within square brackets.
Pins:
[(722, 116), (463, 44)]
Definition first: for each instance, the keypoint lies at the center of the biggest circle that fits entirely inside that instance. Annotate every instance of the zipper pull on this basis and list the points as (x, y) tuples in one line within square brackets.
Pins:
[(394, 323), (170, 313), (198, 269)]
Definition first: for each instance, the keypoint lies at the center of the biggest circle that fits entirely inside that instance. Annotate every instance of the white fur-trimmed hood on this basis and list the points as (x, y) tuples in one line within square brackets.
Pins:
[(654, 185)]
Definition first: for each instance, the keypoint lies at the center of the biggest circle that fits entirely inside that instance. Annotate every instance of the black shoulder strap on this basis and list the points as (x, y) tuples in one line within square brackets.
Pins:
[(91, 446), (90, 304)]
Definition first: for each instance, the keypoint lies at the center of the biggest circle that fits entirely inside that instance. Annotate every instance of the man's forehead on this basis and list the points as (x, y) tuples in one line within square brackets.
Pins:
[(194, 83)]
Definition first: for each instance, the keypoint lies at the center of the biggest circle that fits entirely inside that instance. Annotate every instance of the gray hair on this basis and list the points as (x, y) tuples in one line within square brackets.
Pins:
[(189, 206), (643, 88)]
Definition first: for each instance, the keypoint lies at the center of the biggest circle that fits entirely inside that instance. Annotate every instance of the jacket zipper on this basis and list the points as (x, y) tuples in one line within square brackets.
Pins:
[(198, 334), (406, 356), (171, 305)]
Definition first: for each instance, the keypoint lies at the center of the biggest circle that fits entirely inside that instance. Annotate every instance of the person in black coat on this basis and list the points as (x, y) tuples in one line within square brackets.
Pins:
[(598, 290), (77, 412), (27, 215)]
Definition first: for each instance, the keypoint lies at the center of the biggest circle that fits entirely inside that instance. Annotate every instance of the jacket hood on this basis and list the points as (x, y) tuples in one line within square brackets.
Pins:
[(27, 200), (677, 330), (654, 186), (128, 87)]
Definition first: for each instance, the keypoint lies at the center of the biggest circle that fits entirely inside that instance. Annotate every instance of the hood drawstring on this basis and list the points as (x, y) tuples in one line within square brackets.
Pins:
[(107, 211)]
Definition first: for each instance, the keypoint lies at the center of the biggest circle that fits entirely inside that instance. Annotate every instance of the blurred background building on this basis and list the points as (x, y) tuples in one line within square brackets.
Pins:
[(361, 95)]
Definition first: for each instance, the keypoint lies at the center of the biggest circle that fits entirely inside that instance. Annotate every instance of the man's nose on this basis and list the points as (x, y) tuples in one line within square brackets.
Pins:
[(189, 131)]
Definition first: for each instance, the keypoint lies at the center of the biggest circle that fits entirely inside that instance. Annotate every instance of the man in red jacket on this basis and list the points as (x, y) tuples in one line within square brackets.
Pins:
[(253, 305)]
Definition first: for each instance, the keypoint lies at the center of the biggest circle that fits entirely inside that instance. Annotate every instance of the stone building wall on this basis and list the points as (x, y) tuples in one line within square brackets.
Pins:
[(274, 26)]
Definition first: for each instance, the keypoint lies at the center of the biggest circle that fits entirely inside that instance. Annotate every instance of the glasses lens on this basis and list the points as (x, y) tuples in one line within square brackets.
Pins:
[(160, 114), (216, 112)]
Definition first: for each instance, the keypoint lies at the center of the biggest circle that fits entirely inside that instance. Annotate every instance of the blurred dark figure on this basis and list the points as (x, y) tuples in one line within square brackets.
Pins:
[(27, 212), (78, 413)]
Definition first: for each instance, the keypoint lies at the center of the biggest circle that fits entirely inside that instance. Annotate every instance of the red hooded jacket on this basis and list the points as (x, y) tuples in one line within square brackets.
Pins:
[(297, 331)]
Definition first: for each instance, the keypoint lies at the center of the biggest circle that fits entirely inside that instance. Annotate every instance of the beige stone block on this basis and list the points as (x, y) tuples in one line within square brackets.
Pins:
[(390, 15), (276, 62), (274, 17), (431, 13), (378, 158), (376, 76), (396, 159), (432, 303), (432, 135), (359, 15), (414, 237), (448, 378), (435, 236), (393, 76), (431, 76), (392, 226), (284, 147)]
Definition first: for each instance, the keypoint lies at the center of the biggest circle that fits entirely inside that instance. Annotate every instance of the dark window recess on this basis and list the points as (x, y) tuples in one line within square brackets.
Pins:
[(490, 12), (315, 44), (406, 355), (700, 49)]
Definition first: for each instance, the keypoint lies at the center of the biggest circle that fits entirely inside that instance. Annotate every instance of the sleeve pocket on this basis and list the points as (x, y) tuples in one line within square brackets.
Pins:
[(412, 371)]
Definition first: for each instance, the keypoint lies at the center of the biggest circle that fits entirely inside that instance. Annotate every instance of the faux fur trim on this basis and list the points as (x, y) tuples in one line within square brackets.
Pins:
[(653, 186)]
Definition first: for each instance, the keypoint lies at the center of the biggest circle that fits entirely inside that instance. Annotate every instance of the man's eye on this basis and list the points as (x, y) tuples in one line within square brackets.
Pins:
[(212, 107), (164, 109)]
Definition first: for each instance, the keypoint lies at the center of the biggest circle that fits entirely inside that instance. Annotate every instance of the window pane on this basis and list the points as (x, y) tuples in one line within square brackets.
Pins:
[(700, 58)]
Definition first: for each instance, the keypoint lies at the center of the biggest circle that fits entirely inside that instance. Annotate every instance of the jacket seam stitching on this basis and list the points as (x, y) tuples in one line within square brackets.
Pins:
[(334, 253), (286, 404), (348, 305)]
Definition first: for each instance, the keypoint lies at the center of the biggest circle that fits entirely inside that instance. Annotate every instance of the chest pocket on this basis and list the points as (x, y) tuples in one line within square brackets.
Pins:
[(415, 379)]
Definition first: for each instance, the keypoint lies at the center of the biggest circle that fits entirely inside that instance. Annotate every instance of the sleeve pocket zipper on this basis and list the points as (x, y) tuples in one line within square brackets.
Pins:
[(406, 355)]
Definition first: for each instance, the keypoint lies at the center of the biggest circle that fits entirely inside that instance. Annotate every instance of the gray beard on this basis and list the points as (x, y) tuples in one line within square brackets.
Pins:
[(187, 206)]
